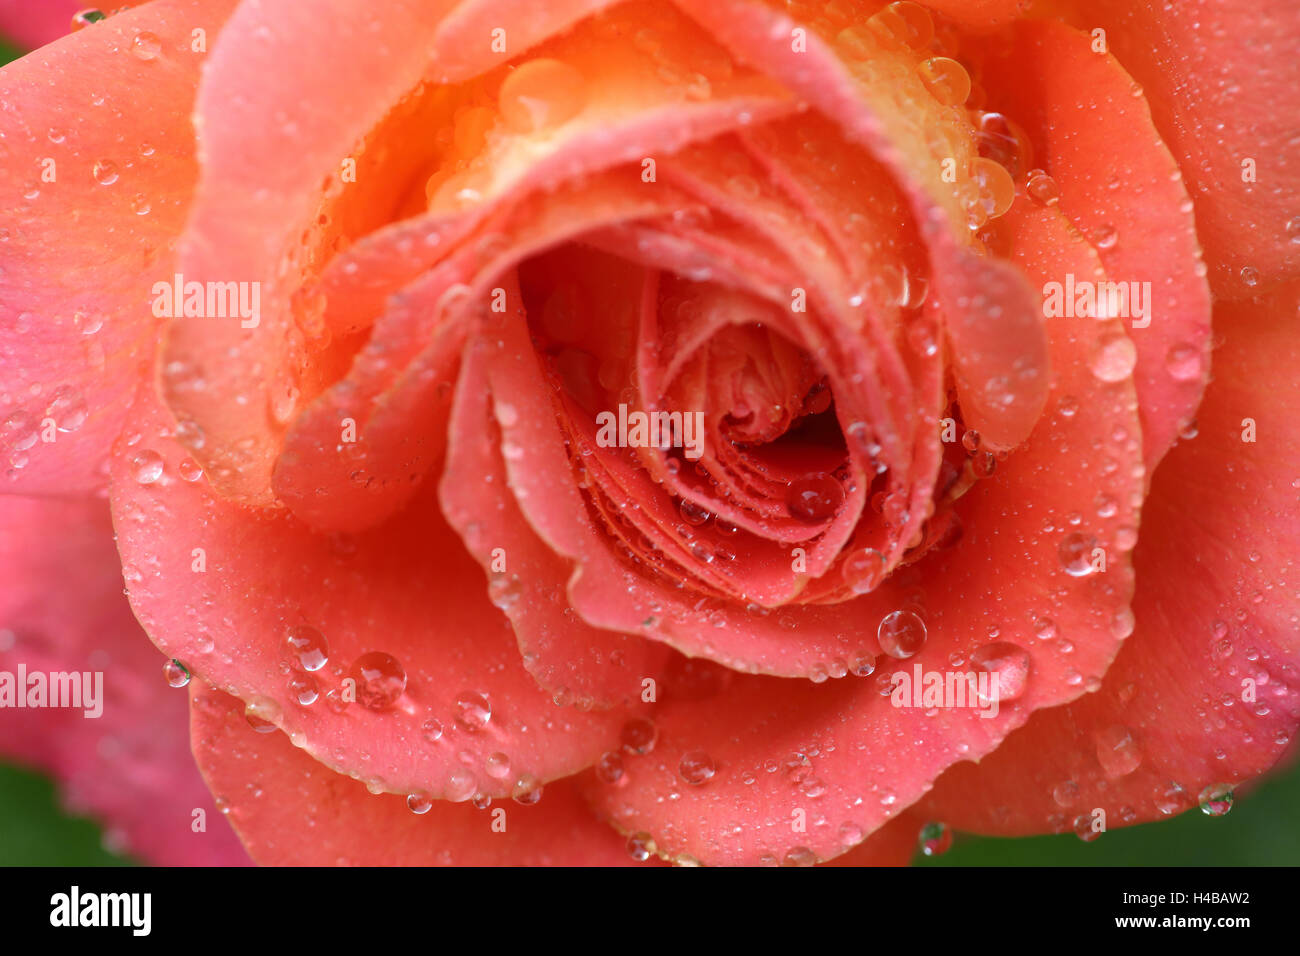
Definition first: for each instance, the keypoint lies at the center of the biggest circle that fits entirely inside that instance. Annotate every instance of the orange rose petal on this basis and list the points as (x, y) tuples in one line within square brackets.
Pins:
[(1216, 573), (291, 810), (481, 34), (101, 163), (574, 662), (825, 741), (1122, 190), (1221, 82), (994, 320), (396, 393), (257, 197), (405, 589)]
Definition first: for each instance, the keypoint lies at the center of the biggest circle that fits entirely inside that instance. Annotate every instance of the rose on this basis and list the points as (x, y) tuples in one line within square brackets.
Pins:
[(726, 209)]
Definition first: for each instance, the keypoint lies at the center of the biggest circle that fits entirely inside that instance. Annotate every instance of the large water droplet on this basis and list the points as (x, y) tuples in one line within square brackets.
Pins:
[(146, 46), (639, 735), (380, 678), (696, 768), (901, 634), (814, 498), (541, 94), (104, 171), (309, 646), (472, 711), (863, 570), (147, 467), (935, 839), (1075, 552), (1216, 799), (1009, 662), (176, 673), (1184, 362), (946, 79), (1114, 358), (640, 846), (1118, 752)]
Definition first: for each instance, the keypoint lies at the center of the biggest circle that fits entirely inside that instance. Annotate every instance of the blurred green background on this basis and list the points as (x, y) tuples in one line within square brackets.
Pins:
[(1263, 829)]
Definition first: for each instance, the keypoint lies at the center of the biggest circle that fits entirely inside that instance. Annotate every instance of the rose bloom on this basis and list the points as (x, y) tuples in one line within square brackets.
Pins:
[(977, 320)]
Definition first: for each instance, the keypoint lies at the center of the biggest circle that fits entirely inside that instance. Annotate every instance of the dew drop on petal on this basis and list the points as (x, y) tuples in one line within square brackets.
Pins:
[(1075, 552), (901, 634), (639, 735), (380, 678), (1118, 752), (541, 94), (1183, 362), (814, 498), (147, 467), (946, 79), (863, 570), (472, 711), (640, 846), (1042, 187), (419, 803), (308, 646), (104, 171), (176, 673), (1009, 662), (696, 768), (146, 46), (1114, 358), (1216, 799), (935, 839)]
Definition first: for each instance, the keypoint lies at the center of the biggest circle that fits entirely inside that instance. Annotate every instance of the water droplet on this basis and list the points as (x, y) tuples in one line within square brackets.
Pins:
[(85, 18), (309, 646), (1118, 752), (1170, 799), (381, 680), (419, 803), (541, 94), (1010, 662), (189, 469), (800, 856), (935, 839), (901, 634), (696, 768), (1065, 794), (1114, 358), (863, 570), (1249, 276), (176, 673), (431, 730), (1216, 799), (906, 23), (498, 765), (1075, 551), (1293, 229), (609, 767), (1183, 362), (472, 711), (946, 79), (639, 735), (304, 689), (1105, 238), (147, 467), (814, 498), (1042, 187), (692, 513), (146, 46), (104, 171), (527, 791), (1083, 829), (640, 846), (997, 189)]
